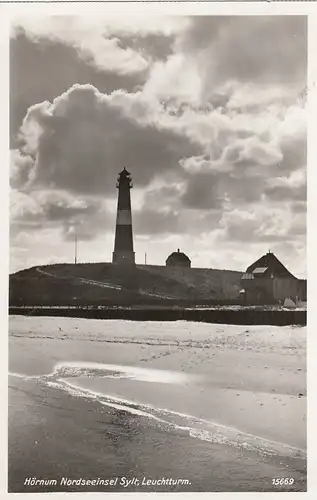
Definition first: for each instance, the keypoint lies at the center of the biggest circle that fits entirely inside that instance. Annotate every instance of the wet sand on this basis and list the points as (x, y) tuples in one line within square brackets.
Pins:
[(225, 404)]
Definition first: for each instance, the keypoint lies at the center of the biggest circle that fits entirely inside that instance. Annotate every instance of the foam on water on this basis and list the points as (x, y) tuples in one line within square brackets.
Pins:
[(22, 376), (77, 369), (102, 370), (196, 427)]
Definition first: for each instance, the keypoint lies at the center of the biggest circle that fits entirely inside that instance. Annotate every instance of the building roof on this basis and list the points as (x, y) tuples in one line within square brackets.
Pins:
[(124, 172), (124, 178), (269, 263), (178, 256)]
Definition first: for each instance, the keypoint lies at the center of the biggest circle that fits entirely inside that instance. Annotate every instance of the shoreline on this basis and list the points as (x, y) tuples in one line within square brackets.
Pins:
[(225, 403), (76, 438)]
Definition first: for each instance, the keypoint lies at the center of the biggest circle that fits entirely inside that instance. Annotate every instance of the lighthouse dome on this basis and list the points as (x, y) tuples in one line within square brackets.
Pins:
[(178, 259)]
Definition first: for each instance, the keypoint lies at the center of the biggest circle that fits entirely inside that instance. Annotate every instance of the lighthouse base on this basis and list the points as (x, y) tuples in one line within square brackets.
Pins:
[(123, 258)]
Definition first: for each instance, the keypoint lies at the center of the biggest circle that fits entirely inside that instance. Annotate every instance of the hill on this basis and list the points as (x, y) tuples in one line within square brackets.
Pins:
[(110, 284)]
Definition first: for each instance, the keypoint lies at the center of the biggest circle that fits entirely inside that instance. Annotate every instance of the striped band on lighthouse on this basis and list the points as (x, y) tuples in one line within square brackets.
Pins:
[(124, 218), (123, 246)]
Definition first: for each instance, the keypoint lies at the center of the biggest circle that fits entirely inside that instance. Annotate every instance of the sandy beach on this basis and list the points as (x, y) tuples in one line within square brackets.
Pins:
[(223, 407)]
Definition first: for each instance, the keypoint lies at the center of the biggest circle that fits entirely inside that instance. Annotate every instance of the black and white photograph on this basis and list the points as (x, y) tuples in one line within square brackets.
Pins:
[(157, 282)]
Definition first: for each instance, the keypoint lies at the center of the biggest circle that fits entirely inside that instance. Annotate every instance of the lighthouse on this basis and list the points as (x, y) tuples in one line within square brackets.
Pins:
[(123, 244)]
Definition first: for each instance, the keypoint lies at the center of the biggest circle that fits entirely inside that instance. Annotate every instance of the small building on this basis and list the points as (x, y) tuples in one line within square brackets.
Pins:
[(267, 281), (178, 259)]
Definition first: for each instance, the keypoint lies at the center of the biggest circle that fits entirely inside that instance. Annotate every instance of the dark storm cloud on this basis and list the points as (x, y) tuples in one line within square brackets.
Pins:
[(213, 189), (249, 48), (155, 222), (158, 222), (163, 196), (85, 140), (153, 45), (294, 151), (283, 193), (250, 231), (203, 192), (243, 191), (256, 224), (43, 69), (20, 167), (164, 212), (299, 207), (89, 226), (298, 229), (42, 210), (59, 212)]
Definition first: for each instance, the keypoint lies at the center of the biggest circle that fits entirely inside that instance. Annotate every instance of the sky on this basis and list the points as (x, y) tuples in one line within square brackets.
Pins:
[(207, 113)]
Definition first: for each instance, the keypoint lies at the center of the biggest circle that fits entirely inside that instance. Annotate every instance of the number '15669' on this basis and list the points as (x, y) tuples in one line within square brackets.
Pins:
[(287, 481)]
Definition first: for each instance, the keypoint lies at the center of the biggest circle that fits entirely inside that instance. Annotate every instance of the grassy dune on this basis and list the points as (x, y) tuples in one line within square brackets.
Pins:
[(108, 284)]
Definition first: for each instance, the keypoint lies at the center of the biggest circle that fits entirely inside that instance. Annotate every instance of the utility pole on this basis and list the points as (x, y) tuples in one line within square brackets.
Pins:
[(75, 249), (145, 258)]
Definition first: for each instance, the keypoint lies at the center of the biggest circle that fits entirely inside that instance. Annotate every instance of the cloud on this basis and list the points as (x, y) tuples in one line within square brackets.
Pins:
[(262, 224), (299, 207), (292, 187), (164, 213), (279, 193), (43, 70), (166, 223), (203, 192), (20, 168), (156, 222), (90, 42), (84, 138), (41, 210), (298, 226), (217, 50), (68, 28), (212, 127)]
